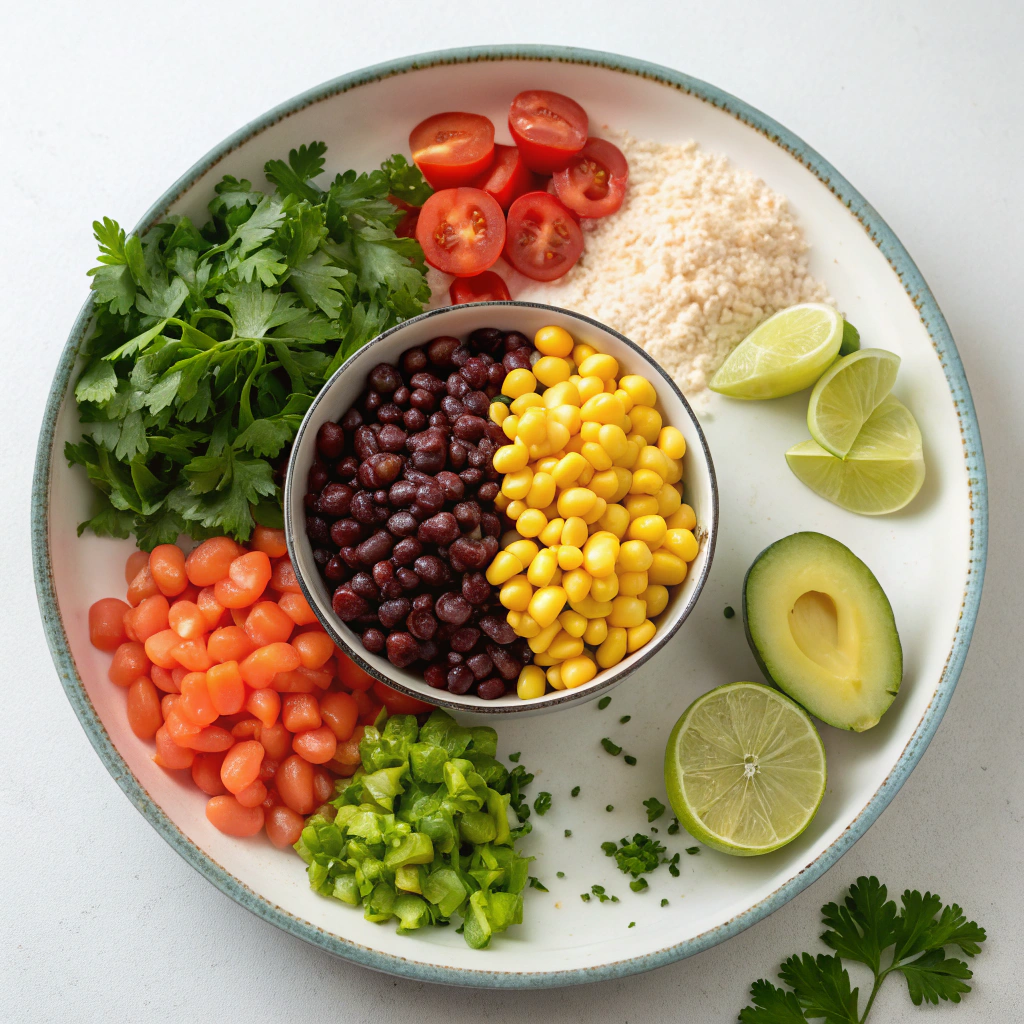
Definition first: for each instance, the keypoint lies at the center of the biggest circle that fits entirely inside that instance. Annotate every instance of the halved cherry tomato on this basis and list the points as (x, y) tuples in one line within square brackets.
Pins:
[(399, 703), (508, 177), (548, 128), (594, 181), (485, 287), (461, 231), (452, 149), (544, 240)]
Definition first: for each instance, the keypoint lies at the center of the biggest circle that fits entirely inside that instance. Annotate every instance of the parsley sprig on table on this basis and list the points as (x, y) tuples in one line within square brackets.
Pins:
[(864, 928), (209, 343)]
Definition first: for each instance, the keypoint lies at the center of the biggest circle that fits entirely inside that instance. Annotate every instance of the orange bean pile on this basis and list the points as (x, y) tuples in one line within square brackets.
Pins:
[(229, 672)]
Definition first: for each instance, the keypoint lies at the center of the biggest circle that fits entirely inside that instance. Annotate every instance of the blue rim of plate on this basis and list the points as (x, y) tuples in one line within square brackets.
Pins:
[(914, 284)]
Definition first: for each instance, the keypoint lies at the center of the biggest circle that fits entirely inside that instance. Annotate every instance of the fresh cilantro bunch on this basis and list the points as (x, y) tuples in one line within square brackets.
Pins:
[(210, 342), (865, 927)]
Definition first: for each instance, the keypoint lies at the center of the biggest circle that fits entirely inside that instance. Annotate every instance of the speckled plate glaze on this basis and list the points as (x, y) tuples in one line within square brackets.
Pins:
[(930, 558)]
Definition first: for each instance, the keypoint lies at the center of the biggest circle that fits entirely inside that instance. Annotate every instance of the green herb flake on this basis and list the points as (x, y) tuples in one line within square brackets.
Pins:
[(655, 808), (575, 791), (585, 896), (638, 884), (629, 759), (603, 703), (542, 802), (560, 874), (536, 883), (637, 856), (632, 924), (609, 849), (692, 850), (611, 747), (730, 612), (664, 903), (514, 758), (674, 827), (624, 719), (568, 833), (609, 807)]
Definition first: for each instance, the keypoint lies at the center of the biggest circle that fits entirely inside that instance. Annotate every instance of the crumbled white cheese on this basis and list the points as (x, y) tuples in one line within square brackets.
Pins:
[(700, 253)]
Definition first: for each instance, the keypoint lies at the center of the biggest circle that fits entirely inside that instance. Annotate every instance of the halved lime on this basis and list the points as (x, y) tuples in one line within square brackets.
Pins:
[(882, 472), (849, 391), (745, 769), (785, 354)]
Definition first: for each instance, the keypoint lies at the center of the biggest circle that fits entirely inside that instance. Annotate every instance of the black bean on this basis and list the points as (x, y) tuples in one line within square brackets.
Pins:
[(457, 386), (514, 340), (389, 413), (436, 676), (422, 625), (391, 613), (352, 420), (402, 524), (438, 419), (440, 350), (414, 361), (432, 570), (384, 378), (429, 650), (465, 638), (363, 585), (468, 514), (517, 359), (319, 532), (370, 403), (422, 400), (460, 679), (346, 533), (457, 454), (487, 339), (347, 604), (330, 441), (402, 649), (363, 508), (475, 372), (401, 396), (407, 550), (442, 528), (348, 555), (461, 356), (335, 569), (496, 375), (504, 662), (477, 403), (373, 640), (452, 408), (475, 588), (454, 608), (430, 495), (318, 476), (365, 443), (471, 477), (491, 689), (347, 468), (414, 419), (488, 490), (480, 665), (497, 629), (407, 578), (427, 382), (335, 500), (428, 462)]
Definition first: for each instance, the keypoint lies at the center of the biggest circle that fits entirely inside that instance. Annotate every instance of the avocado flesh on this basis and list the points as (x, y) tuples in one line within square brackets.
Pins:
[(822, 630)]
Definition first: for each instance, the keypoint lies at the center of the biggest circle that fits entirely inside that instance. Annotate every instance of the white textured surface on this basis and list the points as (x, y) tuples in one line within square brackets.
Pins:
[(919, 105)]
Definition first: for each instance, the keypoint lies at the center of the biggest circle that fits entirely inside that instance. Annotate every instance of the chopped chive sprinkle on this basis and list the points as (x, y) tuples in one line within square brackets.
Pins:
[(603, 703), (632, 924), (729, 611), (543, 803), (575, 791), (655, 808), (638, 884), (624, 719), (664, 903), (585, 896), (536, 883), (691, 850), (611, 747), (629, 759), (610, 807), (560, 874), (568, 833), (515, 757), (674, 827)]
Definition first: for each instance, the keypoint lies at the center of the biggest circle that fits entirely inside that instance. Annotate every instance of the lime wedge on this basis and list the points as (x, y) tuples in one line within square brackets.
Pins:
[(785, 354), (849, 391), (882, 472), (745, 769)]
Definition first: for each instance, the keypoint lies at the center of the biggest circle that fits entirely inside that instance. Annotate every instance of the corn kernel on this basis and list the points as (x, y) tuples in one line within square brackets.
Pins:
[(546, 604), (516, 507), (675, 472), (544, 660), (615, 520), (497, 411), (511, 458), (625, 398), (542, 568), (524, 550), (554, 677), (528, 626), (605, 484), (652, 458), (540, 451), (590, 431), (667, 569), (638, 636), (533, 427), (547, 633), (613, 649), (574, 532), (551, 512), (515, 594), (627, 611), (542, 490), (646, 481), (640, 389), (590, 608), (682, 543), (599, 365), (628, 460), (531, 400), (632, 584), (595, 513), (575, 443), (635, 556), (531, 522), (568, 469), (684, 518), (568, 416), (552, 533), (558, 433), (576, 501), (582, 352), (668, 501), (553, 341), (518, 382), (650, 529), (504, 567), (586, 475), (576, 584), (589, 387), (577, 671), (646, 421), (602, 407), (610, 386), (656, 598), (551, 370), (604, 588), (510, 424), (517, 484), (596, 456), (612, 439), (565, 646), (531, 683), (573, 623), (569, 557), (597, 631), (638, 505), (672, 442), (624, 478), (501, 501), (600, 553)]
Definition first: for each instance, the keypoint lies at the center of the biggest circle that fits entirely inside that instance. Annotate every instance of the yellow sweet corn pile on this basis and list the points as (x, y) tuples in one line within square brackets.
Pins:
[(592, 481)]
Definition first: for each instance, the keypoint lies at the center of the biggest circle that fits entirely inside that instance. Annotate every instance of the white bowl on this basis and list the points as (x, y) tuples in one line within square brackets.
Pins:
[(340, 393)]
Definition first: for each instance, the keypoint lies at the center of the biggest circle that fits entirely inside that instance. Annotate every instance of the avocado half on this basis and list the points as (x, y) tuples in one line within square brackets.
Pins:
[(822, 630)]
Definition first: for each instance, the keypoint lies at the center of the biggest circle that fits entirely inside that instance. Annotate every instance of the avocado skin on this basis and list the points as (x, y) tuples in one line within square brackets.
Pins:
[(757, 654)]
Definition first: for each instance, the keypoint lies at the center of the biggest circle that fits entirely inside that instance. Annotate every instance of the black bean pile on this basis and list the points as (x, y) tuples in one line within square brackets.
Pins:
[(400, 513)]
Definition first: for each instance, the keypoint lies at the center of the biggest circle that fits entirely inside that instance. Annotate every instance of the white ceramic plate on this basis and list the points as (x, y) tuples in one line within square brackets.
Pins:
[(929, 558)]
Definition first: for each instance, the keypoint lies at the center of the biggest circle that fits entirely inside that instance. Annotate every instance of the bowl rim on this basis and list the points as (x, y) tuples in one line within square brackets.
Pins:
[(917, 290), (559, 698)]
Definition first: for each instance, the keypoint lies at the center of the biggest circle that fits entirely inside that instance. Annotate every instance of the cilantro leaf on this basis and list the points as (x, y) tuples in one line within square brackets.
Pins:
[(655, 809), (227, 485), (771, 1006), (292, 178), (405, 181), (98, 382), (822, 987), (864, 925), (931, 977), (318, 281)]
